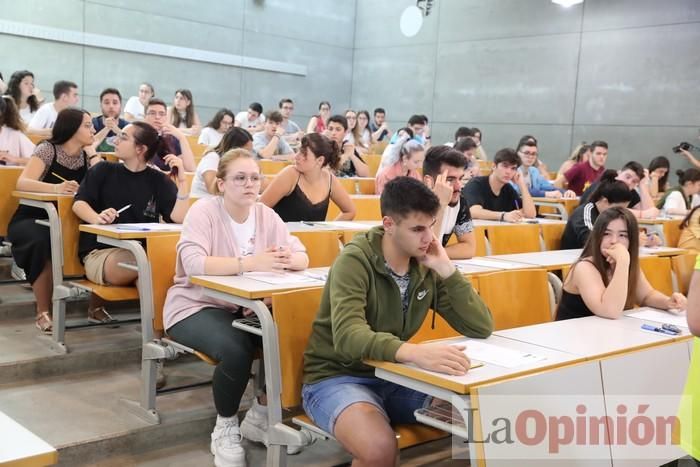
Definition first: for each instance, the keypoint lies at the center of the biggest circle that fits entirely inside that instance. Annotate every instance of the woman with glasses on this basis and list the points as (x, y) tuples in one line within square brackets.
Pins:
[(128, 191), (301, 192), (228, 234), (57, 166)]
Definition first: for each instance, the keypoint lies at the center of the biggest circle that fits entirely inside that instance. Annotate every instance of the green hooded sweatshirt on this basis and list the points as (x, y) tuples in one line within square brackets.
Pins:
[(361, 316)]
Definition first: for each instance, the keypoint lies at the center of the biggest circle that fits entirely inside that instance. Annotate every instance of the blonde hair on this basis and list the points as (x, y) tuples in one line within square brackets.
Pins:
[(230, 157)]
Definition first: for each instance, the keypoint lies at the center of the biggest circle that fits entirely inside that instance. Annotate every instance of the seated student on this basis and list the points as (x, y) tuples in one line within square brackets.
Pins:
[(492, 197), (175, 140), (468, 148), (301, 192), (418, 125), (480, 151), (109, 124), (581, 175), (252, 119), (658, 176), (292, 131), (690, 231), (65, 95), (227, 235), (443, 172), (135, 108), (26, 96), (364, 136), (633, 175), (379, 127), (270, 143), (537, 185), (15, 147), (610, 192), (204, 181), (354, 134), (407, 156), (182, 114), (607, 279), (462, 133), (58, 165), (378, 293), (216, 129), (351, 163), (538, 163), (581, 153), (390, 149), (319, 123), (678, 200)]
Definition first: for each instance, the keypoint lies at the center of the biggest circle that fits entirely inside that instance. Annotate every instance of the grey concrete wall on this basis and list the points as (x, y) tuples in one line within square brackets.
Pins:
[(626, 71), (321, 38)]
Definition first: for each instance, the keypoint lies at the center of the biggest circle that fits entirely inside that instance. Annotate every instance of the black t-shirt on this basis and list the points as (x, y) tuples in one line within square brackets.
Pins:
[(463, 224), (579, 226), (150, 193), (585, 196), (478, 191)]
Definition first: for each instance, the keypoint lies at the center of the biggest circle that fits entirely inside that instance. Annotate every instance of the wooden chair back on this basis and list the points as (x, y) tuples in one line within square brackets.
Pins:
[(270, 167), (366, 209), (657, 270), (509, 239), (8, 203), (683, 267), (551, 236), (372, 161), (321, 247), (358, 185), (162, 255)]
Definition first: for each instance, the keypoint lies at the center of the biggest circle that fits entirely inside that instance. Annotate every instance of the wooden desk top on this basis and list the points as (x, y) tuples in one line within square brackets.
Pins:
[(21, 447), (544, 199), (490, 223), (122, 232), (332, 226), (658, 220), (40, 196), (546, 259), (246, 286)]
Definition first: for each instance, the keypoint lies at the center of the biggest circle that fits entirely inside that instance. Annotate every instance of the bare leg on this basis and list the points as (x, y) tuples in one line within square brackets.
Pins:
[(117, 275), (367, 435), (43, 290)]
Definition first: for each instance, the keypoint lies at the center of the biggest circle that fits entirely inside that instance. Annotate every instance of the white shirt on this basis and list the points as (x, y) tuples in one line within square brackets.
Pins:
[(44, 118), (245, 234), (210, 162), (675, 201), (449, 219), (27, 114), (210, 136), (15, 143), (134, 107), (243, 122)]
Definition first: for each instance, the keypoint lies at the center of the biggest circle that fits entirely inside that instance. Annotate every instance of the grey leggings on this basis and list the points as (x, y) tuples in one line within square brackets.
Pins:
[(210, 331)]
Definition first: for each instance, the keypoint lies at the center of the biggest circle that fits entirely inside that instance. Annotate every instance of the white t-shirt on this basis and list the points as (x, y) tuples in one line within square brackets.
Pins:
[(210, 162), (449, 219), (245, 233), (134, 107), (15, 142), (27, 114), (44, 118), (243, 122), (209, 136), (696, 200), (675, 201)]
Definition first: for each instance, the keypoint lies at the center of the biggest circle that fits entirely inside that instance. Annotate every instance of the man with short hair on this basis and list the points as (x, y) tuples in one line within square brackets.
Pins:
[(65, 95), (251, 120), (269, 143), (491, 197), (351, 163), (292, 131), (176, 142), (443, 172), (633, 175), (378, 294), (580, 176), (468, 147), (109, 124), (378, 127), (462, 133)]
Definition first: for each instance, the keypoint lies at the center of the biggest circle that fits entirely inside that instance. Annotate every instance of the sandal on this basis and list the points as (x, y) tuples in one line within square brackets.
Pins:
[(99, 316), (43, 322)]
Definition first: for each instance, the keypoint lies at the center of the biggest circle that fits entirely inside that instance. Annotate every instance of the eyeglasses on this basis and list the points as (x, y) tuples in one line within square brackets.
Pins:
[(241, 179), (152, 113), (526, 153)]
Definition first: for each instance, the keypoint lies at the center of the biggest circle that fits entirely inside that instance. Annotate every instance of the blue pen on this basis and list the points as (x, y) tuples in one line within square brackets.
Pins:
[(517, 205), (649, 327)]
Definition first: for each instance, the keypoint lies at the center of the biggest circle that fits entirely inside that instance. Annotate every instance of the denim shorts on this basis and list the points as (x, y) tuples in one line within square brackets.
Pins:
[(325, 400)]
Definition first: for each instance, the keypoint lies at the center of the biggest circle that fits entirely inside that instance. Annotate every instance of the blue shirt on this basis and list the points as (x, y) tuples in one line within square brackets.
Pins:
[(107, 144)]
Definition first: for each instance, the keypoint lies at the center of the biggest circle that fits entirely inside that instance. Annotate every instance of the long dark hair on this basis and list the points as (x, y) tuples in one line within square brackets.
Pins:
[(67, 124), (611, 189), (236, 137), (9, 114), (215, 122), (592, 248), (15, 92), (175, 118), (661, 162), (146, 135)]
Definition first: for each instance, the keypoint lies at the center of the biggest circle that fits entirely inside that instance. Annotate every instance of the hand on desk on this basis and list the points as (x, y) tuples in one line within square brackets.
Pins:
[(69, 187), (436, 356), (107, 216), (274, 259), (677, 301)]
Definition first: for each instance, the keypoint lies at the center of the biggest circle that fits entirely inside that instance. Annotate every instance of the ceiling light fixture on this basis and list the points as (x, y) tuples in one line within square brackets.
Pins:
[(567, 3), (412, 17)]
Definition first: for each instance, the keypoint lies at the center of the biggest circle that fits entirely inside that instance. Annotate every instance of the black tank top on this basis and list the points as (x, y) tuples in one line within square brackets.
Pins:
[(571, 306), (296, 206)]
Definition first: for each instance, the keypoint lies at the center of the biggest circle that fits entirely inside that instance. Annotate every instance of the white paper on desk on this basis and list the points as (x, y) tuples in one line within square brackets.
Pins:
[(496, 355), (281, 278), (350, 225), (661, 317), (152, 226), (490, 263)]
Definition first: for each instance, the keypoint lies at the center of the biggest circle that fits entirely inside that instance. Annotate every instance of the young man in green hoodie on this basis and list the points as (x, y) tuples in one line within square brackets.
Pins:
[(378, 294)]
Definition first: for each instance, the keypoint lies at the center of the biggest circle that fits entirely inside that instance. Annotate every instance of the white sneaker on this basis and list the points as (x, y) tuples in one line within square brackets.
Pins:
[(17, 272), (254, 427), (226, 443), (5, 250)]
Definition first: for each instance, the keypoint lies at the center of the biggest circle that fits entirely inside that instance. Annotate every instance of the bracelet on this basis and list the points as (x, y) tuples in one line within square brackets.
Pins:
[(240, 265), (503, 215), (183, 197)]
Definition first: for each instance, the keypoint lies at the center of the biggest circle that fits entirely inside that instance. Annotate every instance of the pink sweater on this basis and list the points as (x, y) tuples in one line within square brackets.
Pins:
[(206, 231), (390, 173)]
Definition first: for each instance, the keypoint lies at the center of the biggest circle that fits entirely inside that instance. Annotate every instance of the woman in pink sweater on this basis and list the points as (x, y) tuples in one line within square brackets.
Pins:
[(226, 235), (404, 160)]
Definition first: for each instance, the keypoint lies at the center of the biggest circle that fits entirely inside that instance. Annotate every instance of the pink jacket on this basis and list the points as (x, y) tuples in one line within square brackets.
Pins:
[(390, 173), (206, 231)]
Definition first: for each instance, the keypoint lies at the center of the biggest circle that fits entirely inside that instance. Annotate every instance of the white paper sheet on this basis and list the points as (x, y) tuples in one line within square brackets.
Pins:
[(282, 278), (658, 316), (151, 227), (496, 355), (490, 263)]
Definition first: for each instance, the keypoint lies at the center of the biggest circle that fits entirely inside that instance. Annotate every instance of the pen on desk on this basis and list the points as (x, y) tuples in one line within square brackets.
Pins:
[(517, 205), (649, 327), (58, 177), (124, 209), (311, 224)]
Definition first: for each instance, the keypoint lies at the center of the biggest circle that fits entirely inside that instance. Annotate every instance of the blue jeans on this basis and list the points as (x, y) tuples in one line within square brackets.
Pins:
[(325, 400)]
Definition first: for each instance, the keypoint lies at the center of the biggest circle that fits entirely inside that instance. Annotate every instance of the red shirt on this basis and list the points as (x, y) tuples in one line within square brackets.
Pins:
[(581, 175)]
